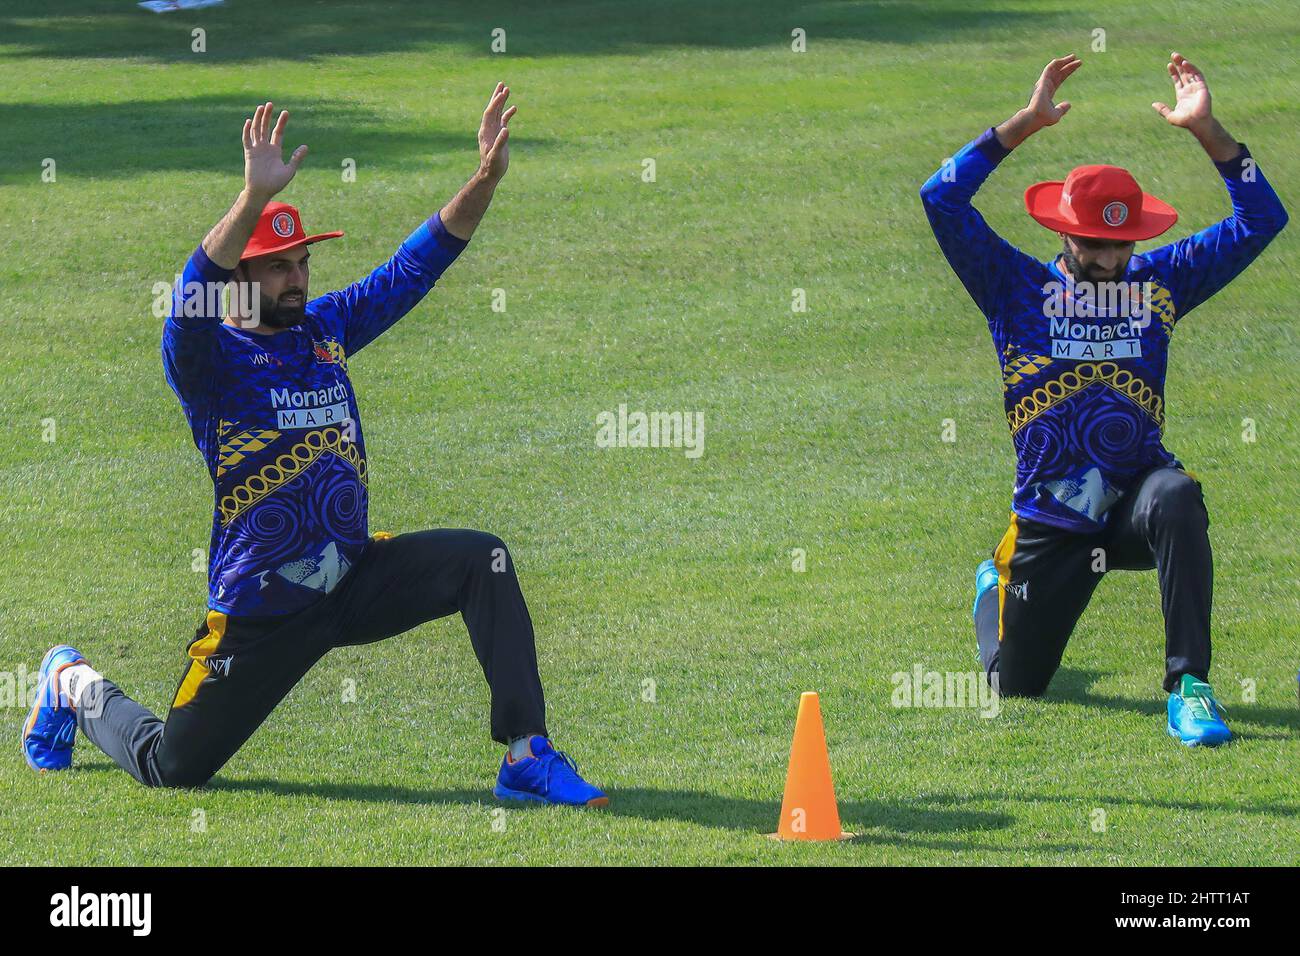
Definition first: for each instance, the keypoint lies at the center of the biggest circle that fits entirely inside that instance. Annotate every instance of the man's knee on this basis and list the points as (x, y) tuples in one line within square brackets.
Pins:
[(183, 781), (1177, 498), (1018, 682), (1026, 671), (184, 775), (1020, 688), (484, 552)]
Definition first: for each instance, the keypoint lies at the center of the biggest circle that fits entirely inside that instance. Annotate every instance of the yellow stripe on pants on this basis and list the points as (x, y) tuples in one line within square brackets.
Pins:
[(199, 652), (1002, 561)]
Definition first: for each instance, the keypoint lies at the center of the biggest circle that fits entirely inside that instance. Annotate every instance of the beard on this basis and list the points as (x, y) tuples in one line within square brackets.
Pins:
[(1084, 273), (277, 315)]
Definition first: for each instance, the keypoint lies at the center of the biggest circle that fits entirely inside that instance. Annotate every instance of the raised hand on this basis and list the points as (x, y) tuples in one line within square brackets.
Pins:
[(494, 135), (1042, 109), (1192, 95), (265, 171)]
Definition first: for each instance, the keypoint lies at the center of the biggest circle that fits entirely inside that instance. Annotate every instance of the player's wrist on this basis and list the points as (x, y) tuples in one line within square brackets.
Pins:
[(485, 176), (1019, 127), (1218, 143), (254, 196)]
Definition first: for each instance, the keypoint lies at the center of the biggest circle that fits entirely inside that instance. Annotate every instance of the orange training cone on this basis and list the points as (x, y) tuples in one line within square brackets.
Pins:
[(808, 811)]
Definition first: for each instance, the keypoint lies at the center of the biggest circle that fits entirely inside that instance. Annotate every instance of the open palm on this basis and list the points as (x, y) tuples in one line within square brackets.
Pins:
[(1046, 112), (494, 134), (1192, 95), (265, 171)]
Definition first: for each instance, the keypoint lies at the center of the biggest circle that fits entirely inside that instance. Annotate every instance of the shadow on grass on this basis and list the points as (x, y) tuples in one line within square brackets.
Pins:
[(938, 821), (145, 137), (911, 822), (935, 813), (1075, 686), (1109, 800), (300, 30)]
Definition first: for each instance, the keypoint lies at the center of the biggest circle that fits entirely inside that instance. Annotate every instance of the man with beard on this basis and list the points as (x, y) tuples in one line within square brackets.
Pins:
[(1083, 344), (293, 570)]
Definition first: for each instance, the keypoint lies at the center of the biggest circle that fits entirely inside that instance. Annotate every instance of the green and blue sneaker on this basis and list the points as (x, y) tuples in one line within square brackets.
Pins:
[(1194, 716)]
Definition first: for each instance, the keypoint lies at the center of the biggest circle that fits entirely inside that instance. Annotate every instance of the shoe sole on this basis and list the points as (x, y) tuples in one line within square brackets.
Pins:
[(523, 796), (1197, 741)]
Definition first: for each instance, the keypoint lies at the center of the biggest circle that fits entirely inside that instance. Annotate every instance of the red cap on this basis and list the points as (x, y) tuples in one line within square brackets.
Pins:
[(1100, 202), (280, 228)]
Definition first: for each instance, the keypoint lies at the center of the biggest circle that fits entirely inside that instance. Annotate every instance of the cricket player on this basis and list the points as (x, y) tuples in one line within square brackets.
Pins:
[(293, 570), (1083, 342)]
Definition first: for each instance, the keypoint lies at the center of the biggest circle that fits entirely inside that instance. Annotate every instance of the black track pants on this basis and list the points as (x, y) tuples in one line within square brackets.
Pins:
[(239, 668), (1046, 577)]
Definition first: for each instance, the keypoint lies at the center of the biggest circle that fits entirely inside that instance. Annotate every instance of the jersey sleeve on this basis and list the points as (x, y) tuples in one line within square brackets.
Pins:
[(189, 339), (367, 308), (1197, 267), (983, 261)]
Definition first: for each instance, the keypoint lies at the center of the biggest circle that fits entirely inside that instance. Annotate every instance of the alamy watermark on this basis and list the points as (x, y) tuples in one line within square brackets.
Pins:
[(197, 300), (133, 911), (922, 688), (18, 687), (655, 429)]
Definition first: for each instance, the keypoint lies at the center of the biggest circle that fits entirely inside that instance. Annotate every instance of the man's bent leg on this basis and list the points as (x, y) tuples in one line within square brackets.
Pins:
[(123, 729), (1045, 580), (1163, 522), (404, 581), (239, 670)]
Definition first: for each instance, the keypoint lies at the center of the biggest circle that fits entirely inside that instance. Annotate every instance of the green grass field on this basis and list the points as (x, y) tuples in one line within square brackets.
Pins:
[(774, 171)]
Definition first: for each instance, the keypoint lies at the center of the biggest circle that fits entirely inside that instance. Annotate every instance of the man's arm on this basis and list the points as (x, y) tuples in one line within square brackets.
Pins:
[(462, 215), (1193, 112), (982, 259), (1200, 265), (1040, 111), (189, 333), (368, 308)]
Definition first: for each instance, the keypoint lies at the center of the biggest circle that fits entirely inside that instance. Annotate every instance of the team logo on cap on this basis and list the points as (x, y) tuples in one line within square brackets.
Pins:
[(1115, 213), (282, 224)]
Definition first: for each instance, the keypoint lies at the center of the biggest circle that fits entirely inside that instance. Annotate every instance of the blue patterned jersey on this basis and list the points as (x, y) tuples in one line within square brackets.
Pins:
[(1083, 376), (277, 423)]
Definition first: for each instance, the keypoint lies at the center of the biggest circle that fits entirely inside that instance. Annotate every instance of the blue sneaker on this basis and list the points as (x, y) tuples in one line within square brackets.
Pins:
[(51, 727), (986, 578), (1194, 715), (547, 776)]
